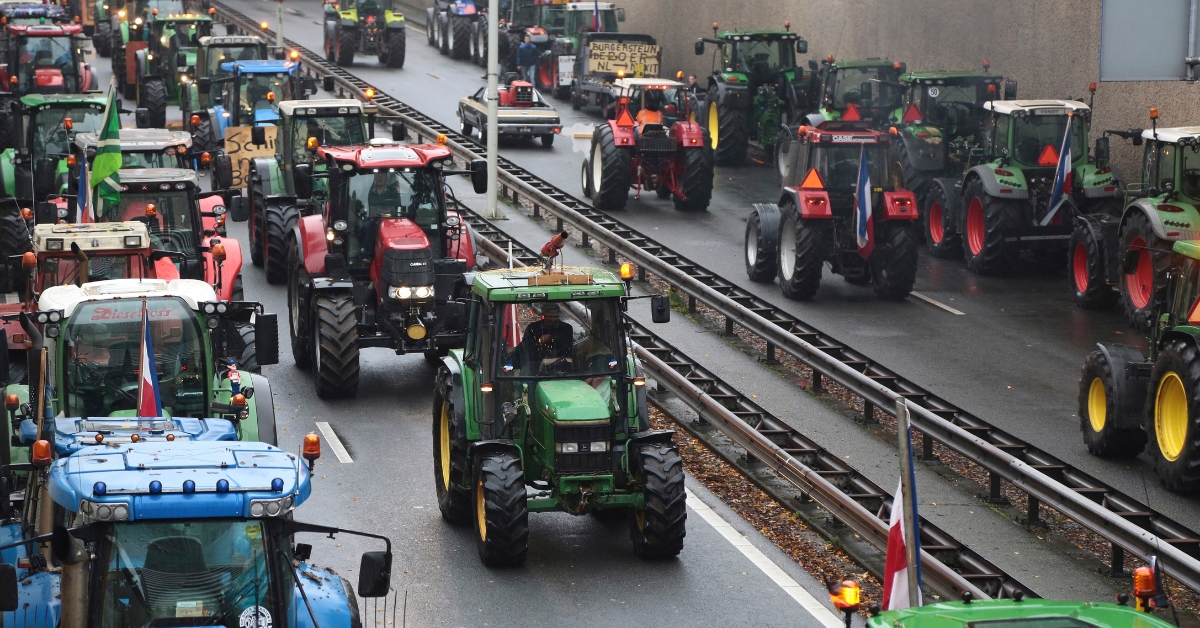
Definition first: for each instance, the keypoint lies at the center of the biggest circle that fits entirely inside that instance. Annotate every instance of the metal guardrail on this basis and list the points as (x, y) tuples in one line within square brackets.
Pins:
[(1124, 521)]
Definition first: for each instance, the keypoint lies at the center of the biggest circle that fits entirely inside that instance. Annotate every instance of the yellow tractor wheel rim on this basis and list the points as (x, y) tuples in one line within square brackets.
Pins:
[(480, 510), (1171, 416), (1097, 405), (714, 124), (444, 432)]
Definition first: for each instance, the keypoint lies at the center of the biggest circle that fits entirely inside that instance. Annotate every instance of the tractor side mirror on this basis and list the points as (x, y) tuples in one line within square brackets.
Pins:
[(309, 85), (660, 308), (44, 174), (802, 46), (620, 15), (223, 172), (240, 210), (141, 117), (1101, 152), (479, 175), (302, 180), (45, 212), (181, 59), (699, 47), (399, 132), (454, 315), (258, 135), (1129, 264), (266, 337), (9, 600), (204, 83), (375, 574), (812, 65), (327, 83), (302, 552), (1010, 89)]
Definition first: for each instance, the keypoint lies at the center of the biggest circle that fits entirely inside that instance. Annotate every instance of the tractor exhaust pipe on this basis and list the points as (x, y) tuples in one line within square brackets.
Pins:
[(73, 555)]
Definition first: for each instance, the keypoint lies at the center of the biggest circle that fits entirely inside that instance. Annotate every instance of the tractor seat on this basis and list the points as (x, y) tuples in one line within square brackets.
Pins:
[(43, 58), (175, 570)]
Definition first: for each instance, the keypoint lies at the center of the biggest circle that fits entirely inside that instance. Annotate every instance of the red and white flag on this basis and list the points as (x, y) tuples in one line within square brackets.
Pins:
[(895, 567), (149, 401)]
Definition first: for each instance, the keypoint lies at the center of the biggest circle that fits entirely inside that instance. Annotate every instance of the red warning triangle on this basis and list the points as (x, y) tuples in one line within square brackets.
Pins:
[(812, 181), (624, 120), (1049, 156), (851, 114), (912, 114)]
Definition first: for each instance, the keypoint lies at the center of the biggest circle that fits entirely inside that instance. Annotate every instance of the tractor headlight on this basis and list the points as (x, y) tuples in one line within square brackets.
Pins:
[(402, 292), (453, 221), (599, 445), (567, 448), (409, 292), (54, 244), (103, 511), (270, 507)]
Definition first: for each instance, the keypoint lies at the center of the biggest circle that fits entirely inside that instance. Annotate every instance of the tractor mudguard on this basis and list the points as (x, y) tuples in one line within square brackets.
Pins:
[(326, 595), (331, 24), (310, 238), (1104, 229), (482, 447), (1131, 381), (923, 154), (350, 24), (8, 175), (1097, 184), (690, 134), (131, 63), (900, 205), (987, 175), (732, 96), (230, 269), (1148, 208), (464, 247), (819, 207), (768, 223), (267, 169), (622, 136), (645, 437), (395, 23), (263, 412)]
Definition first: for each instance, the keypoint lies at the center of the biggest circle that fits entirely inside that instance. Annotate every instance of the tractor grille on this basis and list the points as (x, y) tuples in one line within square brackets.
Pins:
[(584, 461), (656, 144), (408, 267), (524, 95)]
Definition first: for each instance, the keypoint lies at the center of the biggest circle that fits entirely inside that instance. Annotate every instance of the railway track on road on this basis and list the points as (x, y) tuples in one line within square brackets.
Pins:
[(1125, 522)]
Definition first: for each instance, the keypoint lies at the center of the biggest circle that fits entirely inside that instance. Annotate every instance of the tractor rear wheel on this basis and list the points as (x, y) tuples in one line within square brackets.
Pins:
[(258, 205), (397, 42), (300, 329), (657, 530), (762, 259), (1172, 405), (279, 222), (501, 515), (1085, 268), (102, 40), (460, 38), (345, 48), (481, 44), (1144, 291), (944, 242), (915, 181), (244, 348), (697, 183), (610, 170), (335, 345), (450, 465), (1097, 405), (431, 26), (239, 291), (14, 233), (726, 131), (894, 260), (331, 42), (444, 34), (802, 245), (987, 220)]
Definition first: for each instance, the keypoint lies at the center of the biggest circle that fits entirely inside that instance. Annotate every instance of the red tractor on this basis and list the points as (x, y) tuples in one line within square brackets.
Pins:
[(817, 219), (45, 59), (382, 264), (650, 144)]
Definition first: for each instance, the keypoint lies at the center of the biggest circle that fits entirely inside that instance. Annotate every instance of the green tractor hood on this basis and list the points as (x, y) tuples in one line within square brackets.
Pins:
[(570, 401)]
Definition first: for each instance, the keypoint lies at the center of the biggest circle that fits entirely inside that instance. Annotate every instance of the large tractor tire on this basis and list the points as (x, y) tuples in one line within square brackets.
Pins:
[(335, 345), (444, 34), (762, 244), (473, 49), (451, 468), (299, 313), (243, 346), (460, 37), (1085, 270), (202, 136), (894, 260), (118, 62), (431, 26), (1098, 406), (346, 47), (697, 182), (610, 170), (481, 43), (239, 291), (943, 239), (14, 232), (657, 530), (726, 132), (1145, 291), (102, 40), (279, 222), (258, 206), (987, 219), (585, 180), (501, 514), (397, 42), (1172, 424), (802, 246), (915, 180)]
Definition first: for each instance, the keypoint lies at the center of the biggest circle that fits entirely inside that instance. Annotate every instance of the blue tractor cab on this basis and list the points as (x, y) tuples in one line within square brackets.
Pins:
[(254, 89)]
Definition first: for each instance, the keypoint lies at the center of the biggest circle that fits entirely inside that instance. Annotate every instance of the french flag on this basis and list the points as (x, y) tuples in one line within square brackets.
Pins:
[(895, 566), (149, 401), (596, 16), (864, 230), (1062, 174), (83, 203)]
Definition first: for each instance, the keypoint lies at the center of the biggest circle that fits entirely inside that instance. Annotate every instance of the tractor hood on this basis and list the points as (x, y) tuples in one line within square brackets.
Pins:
[(571, 401), (48, 80), (403, 254), (265, 116)]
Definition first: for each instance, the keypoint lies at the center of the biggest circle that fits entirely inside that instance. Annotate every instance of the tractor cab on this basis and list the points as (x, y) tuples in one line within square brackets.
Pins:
[(45, 131), (141, 148), (759, 56), (1025, 137), (825, 160), (663, 100), (45, 59), (949, 102), (28, 13), (571, 19), (174, 39), (872, 87), (253, 90), (217, 50)]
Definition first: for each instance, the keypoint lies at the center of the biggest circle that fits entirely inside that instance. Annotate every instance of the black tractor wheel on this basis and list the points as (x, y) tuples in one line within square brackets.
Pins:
[(943, 239), (451, 470), (258, 204), (118, 62), (335, 345), (242, 345), (202, 136), (279, 222), (444, 34), (657, 530), (894, 260), (501, 515), (299, 314), (1097, 405), (726, 131), (481, 44), (397, 39), (1144, 292), (460, 37), (547, 140), (473, 49), (585, 179), (986, 222), (576, 97), (802, 252), (346, 45), (14, 232), (610, 170), (239, 291), (697, 183), (431, 26), (1085, 270), (762, 256), (102, 40), (915, 180), (1172, 406)]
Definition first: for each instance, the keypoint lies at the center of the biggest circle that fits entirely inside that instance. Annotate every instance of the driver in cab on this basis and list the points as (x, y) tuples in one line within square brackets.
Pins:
[(548, 337)]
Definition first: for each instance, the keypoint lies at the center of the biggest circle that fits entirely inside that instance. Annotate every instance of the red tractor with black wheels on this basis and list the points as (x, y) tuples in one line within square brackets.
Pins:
[(643, 149), (819, 218), (381, 265)]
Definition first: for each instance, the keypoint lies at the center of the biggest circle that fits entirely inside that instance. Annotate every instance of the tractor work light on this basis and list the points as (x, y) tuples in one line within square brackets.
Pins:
[(639, 381), (453, 221), (102, 511), (270, 507), (54, 244), (49, 316), (340, 225), (12, 402), (263, 25), (311, 449), (52, 330), (627, 271), (41, 453), (133, 241), (213, 322)]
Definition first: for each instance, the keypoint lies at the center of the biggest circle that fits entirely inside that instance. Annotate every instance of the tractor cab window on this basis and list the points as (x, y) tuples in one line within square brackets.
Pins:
[(171, 225), (525, 13), (177, 35), (60, 271), (872, 87), (375, 196), (1189, 172), (255, 90), (838, 166), (760, 57), (329, 131), (175, 7), (210, 572), (216, 55), (152, 159), (955, 107), (1166, 165), (1031, 134), (46, 64), (576, 22), (50, 134), (560, 339), (104, 350)]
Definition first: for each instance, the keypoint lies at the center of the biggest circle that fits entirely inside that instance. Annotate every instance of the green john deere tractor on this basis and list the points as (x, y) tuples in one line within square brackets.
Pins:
[(755, 88), (166, 65), (44, 129), (370, 27), (867, 89), (545, 411)]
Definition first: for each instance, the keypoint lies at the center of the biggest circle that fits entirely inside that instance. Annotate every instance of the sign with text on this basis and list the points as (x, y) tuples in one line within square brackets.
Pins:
[(240, 146), (637, 60)]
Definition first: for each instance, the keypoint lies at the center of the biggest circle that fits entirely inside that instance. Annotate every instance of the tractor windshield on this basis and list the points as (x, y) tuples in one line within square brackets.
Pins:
[(956, 107), (169, 7), (576, 22), (560, 339), (168, 214), (838, 166), (186, 573), (153, 159), (1032, 134), (262, 91), (762, 57), (176, 35), (873, 87), (60, 271), (329, 131), (375, 196), (103, 352), (47, 65), (50, 135), (216, 55)]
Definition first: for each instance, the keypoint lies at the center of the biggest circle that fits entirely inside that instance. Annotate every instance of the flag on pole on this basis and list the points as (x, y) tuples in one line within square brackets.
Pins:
[(1062, 174), (596, 16), (864, 230), (149, 401), (83, 202), (895, 566), (105, 177)]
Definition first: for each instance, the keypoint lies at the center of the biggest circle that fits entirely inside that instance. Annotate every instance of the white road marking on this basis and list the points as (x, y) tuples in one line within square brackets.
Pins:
[(936, 303), (806, 600), (335, 443)]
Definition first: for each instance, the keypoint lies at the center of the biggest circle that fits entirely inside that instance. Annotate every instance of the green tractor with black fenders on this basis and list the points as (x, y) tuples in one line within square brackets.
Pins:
[(369, 27), (756, 88), (545, 411), (165, 66)]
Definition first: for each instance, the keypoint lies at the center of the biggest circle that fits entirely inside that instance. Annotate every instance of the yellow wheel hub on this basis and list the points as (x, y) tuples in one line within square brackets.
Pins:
[(714, 124), (480, 511), (444, 432), (1097, 405), (1171, 416)]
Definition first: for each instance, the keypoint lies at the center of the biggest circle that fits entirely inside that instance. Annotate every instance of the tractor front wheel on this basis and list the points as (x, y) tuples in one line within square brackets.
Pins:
[(460, 37), (431, 26), (726, 131), (501, 515), (943, 240), (298, 312), (346, 45), (335, 345), (697, 182), (397, 41), (988, 219), (1098, 406), (610, 170), (1085, 268), (102, 40), (657, 530), (802, 245), (450, 466), (762, 260), (279, 222), (1144, 291), (1172, 404), (894, 261)]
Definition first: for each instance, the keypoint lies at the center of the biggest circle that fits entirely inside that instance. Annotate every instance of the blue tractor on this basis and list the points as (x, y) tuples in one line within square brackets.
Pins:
[(251, 94), (451, 26)]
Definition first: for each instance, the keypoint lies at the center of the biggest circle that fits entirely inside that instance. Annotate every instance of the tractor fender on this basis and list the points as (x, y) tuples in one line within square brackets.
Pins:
[(768, 223), (229, 270), (799, 198), (269, 176), (1130, 384), (350, 24), (330, 28), (397, 24), (923, 154), (310, 238), (464, 247), (1096, 184), (327, 595), (645, 437), (451, 382), (1144, 206), (622, 136), (690, 134), (484, 447), (732, 96), (8, 178), (264, 412), (987, 175), (900, 205)]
